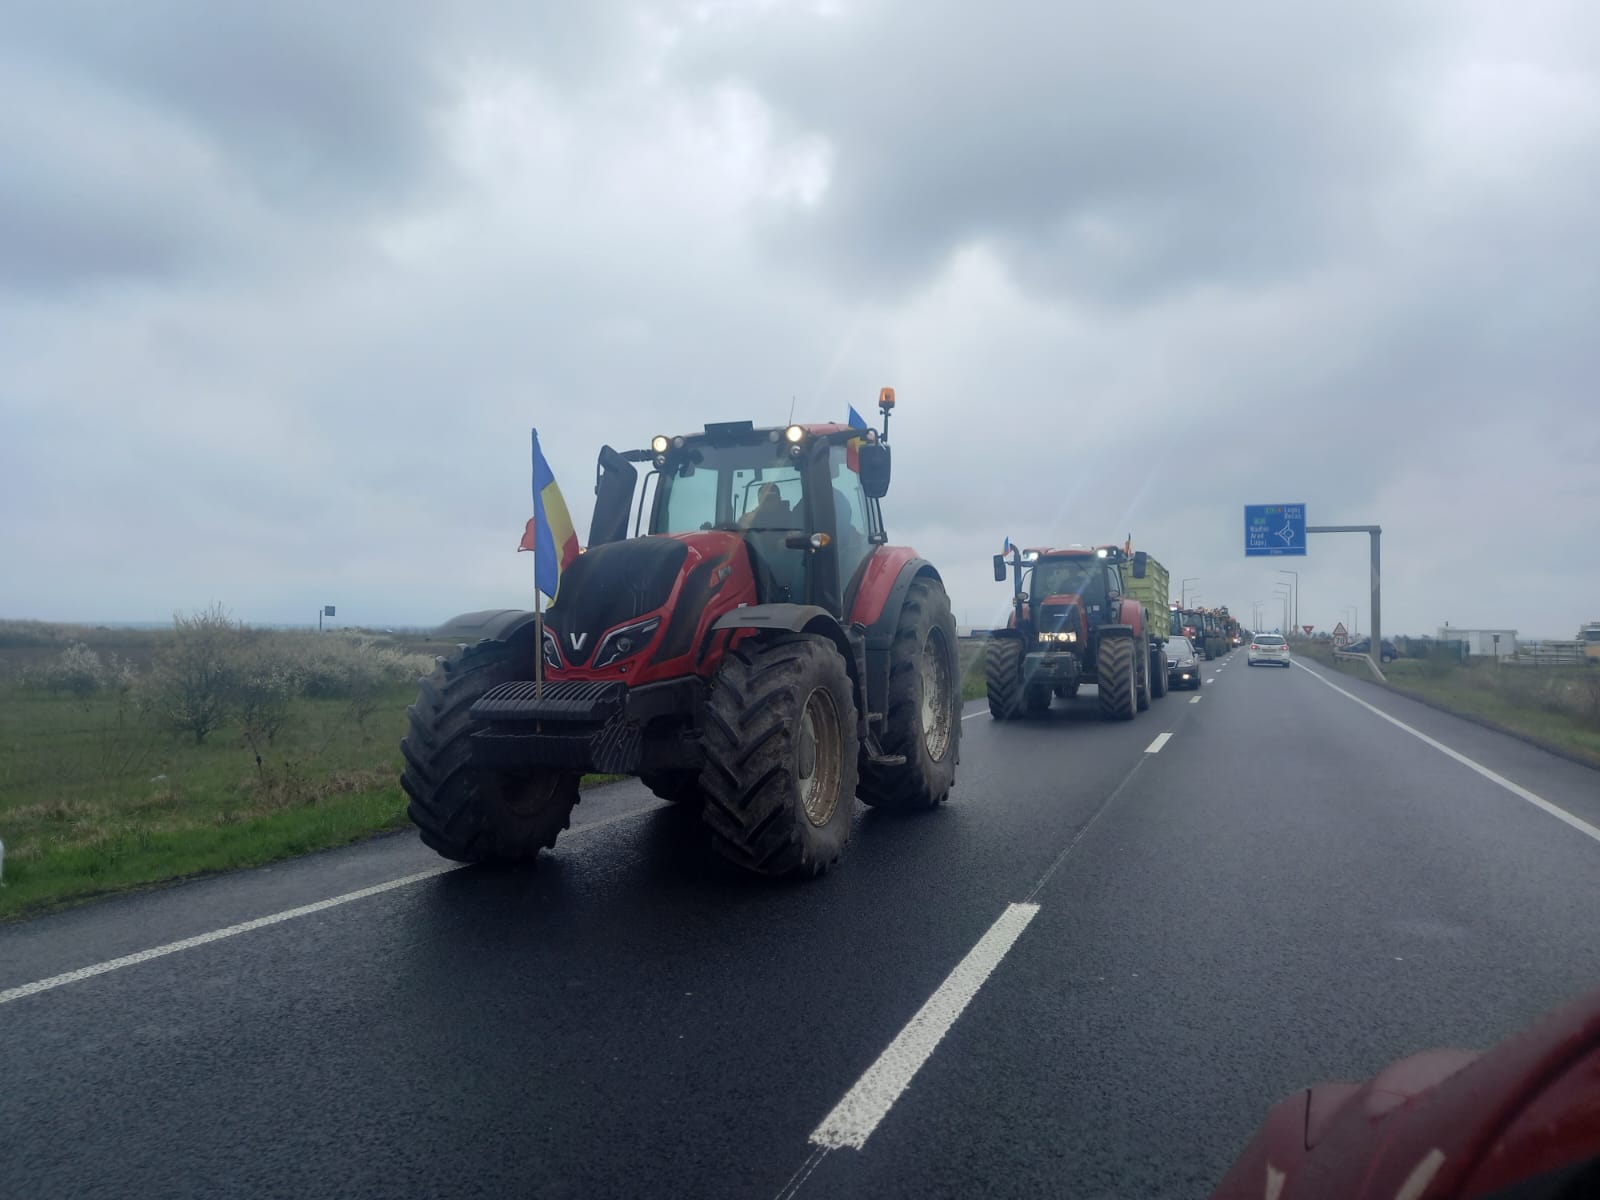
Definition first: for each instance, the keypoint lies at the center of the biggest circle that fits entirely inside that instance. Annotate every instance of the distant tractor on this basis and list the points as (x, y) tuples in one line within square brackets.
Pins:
[(1073, 622), (1200, 627), (761, 654)]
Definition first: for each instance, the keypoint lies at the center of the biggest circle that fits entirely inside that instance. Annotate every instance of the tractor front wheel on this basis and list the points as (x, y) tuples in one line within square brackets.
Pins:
[(1002, 669), (462, 812), (923, 707), (1115, 678), (780, 756)]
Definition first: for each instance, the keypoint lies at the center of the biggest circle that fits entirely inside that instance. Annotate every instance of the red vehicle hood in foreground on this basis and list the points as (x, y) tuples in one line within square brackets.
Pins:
[(1518, 1122)]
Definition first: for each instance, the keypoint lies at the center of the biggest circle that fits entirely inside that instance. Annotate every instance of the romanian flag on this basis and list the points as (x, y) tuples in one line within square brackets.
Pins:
[(852, 452), (549, 533)]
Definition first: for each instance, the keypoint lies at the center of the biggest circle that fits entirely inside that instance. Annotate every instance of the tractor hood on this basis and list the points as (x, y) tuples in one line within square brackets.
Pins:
[(626, 609)]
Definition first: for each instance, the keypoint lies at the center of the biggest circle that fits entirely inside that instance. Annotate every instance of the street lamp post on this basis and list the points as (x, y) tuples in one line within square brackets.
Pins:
[(1283, 599), (1296, 575), (1184, 588)]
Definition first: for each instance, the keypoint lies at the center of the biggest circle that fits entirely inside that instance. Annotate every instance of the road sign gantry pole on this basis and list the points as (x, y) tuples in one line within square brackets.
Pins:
[(1375, 620)]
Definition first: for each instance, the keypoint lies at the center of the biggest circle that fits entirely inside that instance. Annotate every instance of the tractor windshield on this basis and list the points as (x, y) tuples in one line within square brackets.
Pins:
[(753, 487), (1064, 576)]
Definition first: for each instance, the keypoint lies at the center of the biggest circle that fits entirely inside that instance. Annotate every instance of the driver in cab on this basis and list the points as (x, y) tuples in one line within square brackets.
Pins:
[(772, 511)]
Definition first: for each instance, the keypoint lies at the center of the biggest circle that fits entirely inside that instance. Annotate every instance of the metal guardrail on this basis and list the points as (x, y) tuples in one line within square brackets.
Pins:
[(1550, 654), (1348, 656)]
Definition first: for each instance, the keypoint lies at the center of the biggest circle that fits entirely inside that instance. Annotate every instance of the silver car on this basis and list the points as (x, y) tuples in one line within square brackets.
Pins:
[(1269, 648)]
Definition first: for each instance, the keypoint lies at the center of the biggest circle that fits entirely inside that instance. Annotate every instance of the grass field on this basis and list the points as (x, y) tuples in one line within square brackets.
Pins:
[(94, 799), (972, 683)]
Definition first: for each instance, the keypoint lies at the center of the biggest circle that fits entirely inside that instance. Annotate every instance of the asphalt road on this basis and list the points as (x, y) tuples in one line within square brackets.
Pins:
[(1090, 974)]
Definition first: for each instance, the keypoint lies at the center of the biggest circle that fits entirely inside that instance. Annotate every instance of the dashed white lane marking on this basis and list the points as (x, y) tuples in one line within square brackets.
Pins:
[(1161, 740), (855, 1117), (1515, 789), (305, 910), (1195, 699), (1213, 679), (128, 960)]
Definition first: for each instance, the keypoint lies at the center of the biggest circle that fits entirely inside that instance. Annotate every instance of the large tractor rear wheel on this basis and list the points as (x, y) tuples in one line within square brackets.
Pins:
[(923, 708), (1002, 669), (780, 756), (1115, 678), (464, 813), (1158, 674)]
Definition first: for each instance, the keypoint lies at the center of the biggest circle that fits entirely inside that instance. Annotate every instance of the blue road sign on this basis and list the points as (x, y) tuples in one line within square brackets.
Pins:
[(1274, 530)]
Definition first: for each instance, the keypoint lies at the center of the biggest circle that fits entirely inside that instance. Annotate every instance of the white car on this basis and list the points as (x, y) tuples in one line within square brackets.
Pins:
[(1269, 648)]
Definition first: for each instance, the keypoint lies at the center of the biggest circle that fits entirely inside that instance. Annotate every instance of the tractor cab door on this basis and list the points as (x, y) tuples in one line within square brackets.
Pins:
[(1096, 596), (768, 504)]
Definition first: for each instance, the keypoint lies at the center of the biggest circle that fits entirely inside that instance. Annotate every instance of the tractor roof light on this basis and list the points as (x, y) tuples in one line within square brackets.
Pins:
[(1030, 556), (660, 443), (794, 435), (1100, 553)]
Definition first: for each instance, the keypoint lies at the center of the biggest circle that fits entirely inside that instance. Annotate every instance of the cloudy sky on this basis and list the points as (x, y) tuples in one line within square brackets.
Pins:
[(283, 287)]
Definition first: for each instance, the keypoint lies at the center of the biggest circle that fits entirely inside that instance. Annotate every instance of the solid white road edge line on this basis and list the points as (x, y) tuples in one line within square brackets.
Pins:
[(1515, 789), (1161, 740), (305, 910), (982, 712), (855, 1117)]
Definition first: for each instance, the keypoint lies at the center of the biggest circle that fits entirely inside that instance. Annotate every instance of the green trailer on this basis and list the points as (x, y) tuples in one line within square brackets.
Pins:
[(1149, 587)]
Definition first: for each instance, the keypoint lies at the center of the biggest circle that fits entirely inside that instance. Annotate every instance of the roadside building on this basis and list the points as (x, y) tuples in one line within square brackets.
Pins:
[(1489, 643)]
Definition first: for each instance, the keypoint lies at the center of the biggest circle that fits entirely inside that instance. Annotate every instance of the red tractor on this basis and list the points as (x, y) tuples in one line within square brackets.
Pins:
[(1072, 622), (760, 653)]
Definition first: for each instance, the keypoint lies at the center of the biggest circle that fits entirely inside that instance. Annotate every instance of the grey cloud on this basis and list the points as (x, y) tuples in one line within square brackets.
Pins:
[(1130, 268), (1108, 150)]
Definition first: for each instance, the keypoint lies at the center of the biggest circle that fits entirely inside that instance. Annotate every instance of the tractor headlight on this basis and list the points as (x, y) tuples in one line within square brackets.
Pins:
[(794, 435), (622, 642), (1067, 636), (660, 443)]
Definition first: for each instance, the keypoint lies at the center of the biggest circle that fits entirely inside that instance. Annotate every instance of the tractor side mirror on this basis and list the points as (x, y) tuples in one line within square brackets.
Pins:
[(999, 568), (1140, 559), (613, 497), (874, 460)]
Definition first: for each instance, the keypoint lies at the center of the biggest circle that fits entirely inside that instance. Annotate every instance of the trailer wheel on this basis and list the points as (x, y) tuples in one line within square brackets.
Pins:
[(1002, 670), (1142, 666), (780, 756), (1158, 677), (922, 711), (1114, 673), (464, 813)]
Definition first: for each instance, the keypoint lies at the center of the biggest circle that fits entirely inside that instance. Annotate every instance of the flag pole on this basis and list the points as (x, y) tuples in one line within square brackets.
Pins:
[(538, 596)]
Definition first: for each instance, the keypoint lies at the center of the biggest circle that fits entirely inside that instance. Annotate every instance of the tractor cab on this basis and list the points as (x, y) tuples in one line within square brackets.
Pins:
[(1089, 580), (804, 499)]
